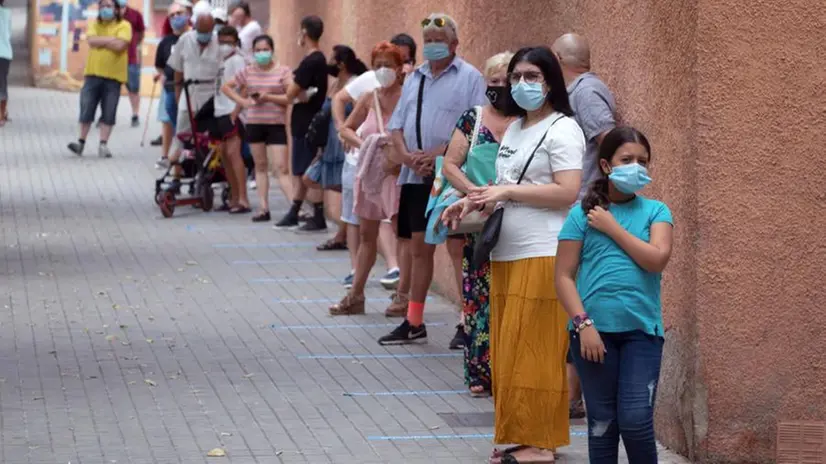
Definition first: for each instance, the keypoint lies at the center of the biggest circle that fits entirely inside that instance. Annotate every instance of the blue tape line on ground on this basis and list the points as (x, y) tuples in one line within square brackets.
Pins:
[(327, 300), (471, 436), (290, 261), (407, 393), (194, 228), (380, 356), (343, 326), (266, 245), (269, 280)]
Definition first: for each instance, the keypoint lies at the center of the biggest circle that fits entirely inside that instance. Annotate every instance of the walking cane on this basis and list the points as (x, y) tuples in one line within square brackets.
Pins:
[(149, 112)]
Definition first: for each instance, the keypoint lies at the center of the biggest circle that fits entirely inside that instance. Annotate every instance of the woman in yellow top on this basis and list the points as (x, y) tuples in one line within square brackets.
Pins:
[(108, 38)]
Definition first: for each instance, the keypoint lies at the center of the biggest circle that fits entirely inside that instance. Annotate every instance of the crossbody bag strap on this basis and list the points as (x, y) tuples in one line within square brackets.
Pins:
[(419, 113), (377, 110), (525, 169)]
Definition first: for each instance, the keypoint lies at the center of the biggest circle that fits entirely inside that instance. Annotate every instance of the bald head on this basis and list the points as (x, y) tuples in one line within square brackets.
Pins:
[(205, 23), (573, 51)]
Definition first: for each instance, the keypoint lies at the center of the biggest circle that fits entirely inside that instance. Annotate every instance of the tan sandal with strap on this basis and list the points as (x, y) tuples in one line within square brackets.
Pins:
[(348, 306)]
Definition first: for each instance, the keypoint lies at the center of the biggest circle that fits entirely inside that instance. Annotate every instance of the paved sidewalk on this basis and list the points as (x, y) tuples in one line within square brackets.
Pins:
[(128, 338)]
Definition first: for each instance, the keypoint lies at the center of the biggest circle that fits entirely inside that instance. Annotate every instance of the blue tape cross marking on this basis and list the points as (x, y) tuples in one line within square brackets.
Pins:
[(265, 245), (406, 393), (380, 356), (326, 300), (471, 436), (343, 326)]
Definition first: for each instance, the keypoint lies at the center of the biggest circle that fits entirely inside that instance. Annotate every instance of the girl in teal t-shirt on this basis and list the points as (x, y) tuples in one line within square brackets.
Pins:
[(612, 251)]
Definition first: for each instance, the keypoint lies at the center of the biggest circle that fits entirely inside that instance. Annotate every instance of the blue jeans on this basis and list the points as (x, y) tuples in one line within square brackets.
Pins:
[(620, 395)]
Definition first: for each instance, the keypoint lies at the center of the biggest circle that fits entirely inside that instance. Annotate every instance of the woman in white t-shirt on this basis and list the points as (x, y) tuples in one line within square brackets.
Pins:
[(528, 337)]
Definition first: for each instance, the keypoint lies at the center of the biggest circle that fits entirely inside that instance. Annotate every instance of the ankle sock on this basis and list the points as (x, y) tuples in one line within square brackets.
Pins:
[(318, 210), (81, 141), (295, 208), (415, 313)]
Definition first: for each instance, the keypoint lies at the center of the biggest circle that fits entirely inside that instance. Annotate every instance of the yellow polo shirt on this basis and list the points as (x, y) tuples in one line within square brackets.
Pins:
[(103, 62)]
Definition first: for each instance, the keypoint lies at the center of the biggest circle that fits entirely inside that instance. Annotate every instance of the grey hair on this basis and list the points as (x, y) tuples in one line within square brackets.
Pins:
[(573, 50), (497, 62), (450, 28)]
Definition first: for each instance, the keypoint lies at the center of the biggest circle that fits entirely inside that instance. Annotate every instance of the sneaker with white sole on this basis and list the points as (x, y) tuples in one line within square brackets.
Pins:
[(391, 280), (405, 334), (348, 281), (103, 151)]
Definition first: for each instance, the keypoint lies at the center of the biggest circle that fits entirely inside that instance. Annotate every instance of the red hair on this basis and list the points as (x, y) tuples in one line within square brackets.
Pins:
[(388, 49)]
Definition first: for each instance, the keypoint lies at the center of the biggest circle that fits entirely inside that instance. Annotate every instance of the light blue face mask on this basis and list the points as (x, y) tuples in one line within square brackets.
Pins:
[(629, 178), (106, 13), (529, 97), (204, 37), (435, 51)]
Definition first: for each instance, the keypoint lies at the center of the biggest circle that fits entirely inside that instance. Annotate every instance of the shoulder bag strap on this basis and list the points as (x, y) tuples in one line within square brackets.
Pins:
[(476, 126), (377, 110), (419, 113), (525, 169)]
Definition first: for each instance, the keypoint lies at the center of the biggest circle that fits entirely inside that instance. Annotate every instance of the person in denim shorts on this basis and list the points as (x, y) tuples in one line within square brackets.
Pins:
[(105, 72)]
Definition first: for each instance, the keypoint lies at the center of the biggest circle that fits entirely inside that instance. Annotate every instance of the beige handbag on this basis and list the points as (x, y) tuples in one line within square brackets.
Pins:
[(474, 221)]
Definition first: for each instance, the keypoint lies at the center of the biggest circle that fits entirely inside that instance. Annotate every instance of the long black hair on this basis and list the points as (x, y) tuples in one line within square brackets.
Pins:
[(346, 55), (544, 59), (597, 194)]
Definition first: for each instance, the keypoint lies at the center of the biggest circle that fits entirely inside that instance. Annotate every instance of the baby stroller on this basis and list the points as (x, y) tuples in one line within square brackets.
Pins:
[(200, 162)]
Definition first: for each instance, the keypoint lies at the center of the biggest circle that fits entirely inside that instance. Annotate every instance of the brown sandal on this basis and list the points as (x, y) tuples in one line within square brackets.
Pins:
[(348, 306)]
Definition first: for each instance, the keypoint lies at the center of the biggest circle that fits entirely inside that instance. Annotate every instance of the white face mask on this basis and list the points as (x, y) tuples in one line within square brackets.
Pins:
[(386, 76), (225, 50)]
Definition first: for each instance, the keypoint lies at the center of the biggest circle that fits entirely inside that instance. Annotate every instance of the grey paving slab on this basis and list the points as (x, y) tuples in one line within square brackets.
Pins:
[(128, 338)]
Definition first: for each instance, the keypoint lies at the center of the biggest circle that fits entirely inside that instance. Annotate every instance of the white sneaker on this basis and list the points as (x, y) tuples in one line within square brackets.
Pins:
[(252, 185), (103, 151)]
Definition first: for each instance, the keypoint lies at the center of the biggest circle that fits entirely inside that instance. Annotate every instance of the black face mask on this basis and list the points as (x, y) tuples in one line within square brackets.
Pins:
[(333, 70), (495, 94)]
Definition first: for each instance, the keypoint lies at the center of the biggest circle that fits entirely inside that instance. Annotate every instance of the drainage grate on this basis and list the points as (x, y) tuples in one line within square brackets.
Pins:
[(800, 442), (467, 419)]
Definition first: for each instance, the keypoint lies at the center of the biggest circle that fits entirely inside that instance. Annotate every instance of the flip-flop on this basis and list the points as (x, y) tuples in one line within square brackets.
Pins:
[(240, 210)]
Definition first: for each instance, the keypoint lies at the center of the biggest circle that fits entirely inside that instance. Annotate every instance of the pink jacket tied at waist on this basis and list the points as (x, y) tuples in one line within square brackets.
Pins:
[(370, 173)]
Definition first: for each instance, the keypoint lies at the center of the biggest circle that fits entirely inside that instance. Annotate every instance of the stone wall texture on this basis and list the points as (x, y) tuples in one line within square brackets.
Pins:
[(731, 95)]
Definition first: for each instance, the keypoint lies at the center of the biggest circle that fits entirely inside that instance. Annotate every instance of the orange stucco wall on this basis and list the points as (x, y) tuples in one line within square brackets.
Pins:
[(730, 94)]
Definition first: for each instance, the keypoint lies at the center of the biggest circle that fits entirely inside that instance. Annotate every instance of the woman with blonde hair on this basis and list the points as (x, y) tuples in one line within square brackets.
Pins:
[(470, 161)]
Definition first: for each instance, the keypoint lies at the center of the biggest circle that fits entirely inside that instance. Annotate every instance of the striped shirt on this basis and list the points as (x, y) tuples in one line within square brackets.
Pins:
[(273, 81), (457, 89)]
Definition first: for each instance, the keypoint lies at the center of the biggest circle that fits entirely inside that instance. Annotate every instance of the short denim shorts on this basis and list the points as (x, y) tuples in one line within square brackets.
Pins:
[(103, 92)]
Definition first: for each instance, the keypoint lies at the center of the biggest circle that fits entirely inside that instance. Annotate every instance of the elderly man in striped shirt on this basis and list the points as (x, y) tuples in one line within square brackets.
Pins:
[(433, 97)]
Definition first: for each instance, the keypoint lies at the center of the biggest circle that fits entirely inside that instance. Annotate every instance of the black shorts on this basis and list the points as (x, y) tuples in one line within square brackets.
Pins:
[(223, 128), (412, 206), (268, 134), (302, 156)]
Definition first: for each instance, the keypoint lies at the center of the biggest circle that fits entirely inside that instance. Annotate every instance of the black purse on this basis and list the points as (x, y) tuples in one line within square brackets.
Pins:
[(489, 236)]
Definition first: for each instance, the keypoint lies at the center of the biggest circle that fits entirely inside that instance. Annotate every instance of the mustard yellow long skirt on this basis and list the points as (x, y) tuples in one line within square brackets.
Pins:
[(528, 344)]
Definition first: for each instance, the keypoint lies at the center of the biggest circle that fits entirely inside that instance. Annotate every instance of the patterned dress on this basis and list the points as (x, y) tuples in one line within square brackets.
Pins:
[(475, 287)]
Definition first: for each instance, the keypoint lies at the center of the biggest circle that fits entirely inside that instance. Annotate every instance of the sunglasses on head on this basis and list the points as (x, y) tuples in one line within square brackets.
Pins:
[(438, 22)]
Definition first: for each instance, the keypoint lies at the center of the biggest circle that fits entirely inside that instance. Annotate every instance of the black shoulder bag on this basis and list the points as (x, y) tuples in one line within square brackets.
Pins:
[(489, 236)]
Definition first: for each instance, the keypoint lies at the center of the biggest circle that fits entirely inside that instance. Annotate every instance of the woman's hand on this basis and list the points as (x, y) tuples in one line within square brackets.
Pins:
[(248, 103), (490, 194), (452, 215), (590, 345), (602, 220)]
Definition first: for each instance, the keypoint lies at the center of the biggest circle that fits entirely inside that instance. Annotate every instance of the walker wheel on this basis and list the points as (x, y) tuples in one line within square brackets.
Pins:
[(207, 197), (166, 201)]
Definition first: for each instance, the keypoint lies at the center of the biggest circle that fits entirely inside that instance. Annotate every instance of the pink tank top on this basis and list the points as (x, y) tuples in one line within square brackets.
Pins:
[(370, 125)]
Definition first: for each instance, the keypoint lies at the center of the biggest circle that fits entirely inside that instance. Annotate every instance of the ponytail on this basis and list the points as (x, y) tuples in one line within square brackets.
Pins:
[(597, 195)]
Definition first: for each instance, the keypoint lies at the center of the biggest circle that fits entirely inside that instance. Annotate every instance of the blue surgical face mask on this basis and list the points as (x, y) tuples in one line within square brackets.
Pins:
[(178, 23), (204, 37), (435, 51), (629, 178), (106, 13), (529, 97)]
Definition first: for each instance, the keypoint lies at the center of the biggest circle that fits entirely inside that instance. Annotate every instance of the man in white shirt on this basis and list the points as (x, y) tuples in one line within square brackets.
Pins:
[(196, 57), (248, 28)]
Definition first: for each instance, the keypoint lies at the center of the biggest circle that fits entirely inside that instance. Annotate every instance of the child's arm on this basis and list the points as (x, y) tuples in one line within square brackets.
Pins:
[(651, 256), (567, 265)]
